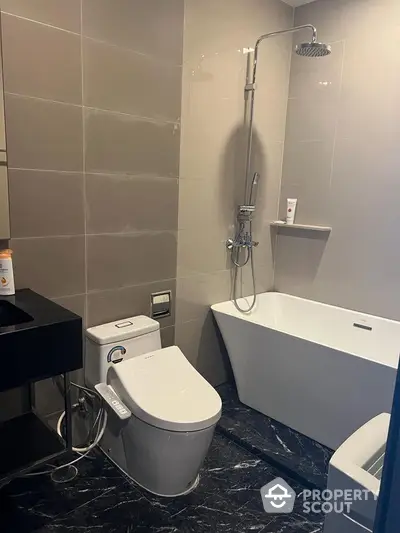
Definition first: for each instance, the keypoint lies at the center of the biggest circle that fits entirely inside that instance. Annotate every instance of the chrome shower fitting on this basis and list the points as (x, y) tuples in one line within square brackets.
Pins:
[(245, 213), (242, 241)]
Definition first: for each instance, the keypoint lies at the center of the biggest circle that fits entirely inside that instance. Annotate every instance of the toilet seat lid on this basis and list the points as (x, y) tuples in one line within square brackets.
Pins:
[(163, 389)]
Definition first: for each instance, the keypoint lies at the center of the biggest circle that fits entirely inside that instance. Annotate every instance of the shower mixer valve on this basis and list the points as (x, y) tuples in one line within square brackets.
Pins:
[(242, 241)]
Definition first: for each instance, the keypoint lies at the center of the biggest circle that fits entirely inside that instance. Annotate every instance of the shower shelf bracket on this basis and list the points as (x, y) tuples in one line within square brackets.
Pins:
[(304, 227)]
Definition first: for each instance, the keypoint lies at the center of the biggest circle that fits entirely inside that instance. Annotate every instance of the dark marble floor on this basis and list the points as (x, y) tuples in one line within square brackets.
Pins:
[(101, 499), (248, 451), (299, 456)]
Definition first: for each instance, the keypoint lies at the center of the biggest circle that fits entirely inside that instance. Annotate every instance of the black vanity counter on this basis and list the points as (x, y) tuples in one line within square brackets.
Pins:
[(38, 339)]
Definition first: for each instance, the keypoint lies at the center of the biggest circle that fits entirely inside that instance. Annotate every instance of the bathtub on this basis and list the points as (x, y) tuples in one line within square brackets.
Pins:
[(321, 370)]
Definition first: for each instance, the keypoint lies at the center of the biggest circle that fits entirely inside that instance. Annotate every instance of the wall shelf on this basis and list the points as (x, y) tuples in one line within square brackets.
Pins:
[(304, 227)]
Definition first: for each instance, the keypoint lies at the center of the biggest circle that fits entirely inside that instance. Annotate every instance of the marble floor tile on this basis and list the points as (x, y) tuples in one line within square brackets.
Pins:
[(227, 499), (304, 458)]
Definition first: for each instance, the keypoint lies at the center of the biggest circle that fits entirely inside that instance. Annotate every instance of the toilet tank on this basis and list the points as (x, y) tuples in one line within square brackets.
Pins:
[(111, 343)]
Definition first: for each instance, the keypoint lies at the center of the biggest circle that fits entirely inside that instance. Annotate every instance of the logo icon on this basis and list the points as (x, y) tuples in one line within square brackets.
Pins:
[(278, 497), (116, 354)]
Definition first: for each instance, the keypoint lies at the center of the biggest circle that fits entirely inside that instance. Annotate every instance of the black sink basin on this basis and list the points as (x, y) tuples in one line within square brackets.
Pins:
[(10, 315)]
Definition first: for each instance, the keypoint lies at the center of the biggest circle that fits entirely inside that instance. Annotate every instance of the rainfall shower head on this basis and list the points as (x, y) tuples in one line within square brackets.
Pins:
[(313, 49)]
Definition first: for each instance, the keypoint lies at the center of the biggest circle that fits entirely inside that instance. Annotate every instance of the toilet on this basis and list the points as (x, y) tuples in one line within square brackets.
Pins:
[(161, 412)]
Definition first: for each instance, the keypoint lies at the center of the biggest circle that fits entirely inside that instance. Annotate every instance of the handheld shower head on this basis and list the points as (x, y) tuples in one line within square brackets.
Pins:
[(254, 189), (313, 49)]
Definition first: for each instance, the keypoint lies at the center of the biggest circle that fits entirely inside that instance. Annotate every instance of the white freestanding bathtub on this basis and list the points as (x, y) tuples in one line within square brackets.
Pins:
[(319, 369)]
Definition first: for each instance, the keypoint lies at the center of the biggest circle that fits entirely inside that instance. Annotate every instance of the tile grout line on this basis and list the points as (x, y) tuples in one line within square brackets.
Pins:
[(270, 460), (111, 174), (39, 22), (274, 238), (96, 109), (132, 51), (60, 517), (68, 296), (135, 233), (143, 284), (99, 291), (154, 58), (84, 199), (41, 99), (77, 172), (335, 136)]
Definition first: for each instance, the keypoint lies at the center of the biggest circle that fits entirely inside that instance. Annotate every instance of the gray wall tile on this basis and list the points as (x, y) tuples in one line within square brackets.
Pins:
[(218, 199), (356, 266), (46, 203), (370, 87), (136, 203), (66, 15), (52, 266), (327, 15), (311, 119), (117, 143), (202, 250), (106, 306), (195, 294), (76, 304), (306, 176), (122, 260), (41, 61), (359, 18), (167, 336), (298, 259), (153, 27), (213, 159), (42, 66), (35, 138), (121, 80), (202, 344)]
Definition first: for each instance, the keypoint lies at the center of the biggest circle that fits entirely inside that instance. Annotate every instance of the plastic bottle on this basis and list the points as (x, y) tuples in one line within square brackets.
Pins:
[(7, 287), (291, 210)]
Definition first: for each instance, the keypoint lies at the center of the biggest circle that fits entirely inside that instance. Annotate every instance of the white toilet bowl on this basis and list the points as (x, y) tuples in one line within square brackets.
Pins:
[(174, 410)]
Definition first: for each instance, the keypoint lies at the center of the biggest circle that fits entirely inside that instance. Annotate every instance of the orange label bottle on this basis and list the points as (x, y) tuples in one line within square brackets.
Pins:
[(7, 286)]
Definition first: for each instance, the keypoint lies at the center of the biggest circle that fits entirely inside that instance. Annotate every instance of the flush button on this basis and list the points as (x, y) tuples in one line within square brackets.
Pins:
[(123, 324)]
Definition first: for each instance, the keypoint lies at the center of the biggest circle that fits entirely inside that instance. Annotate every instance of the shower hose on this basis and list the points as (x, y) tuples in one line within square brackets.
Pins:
[(237, 265)]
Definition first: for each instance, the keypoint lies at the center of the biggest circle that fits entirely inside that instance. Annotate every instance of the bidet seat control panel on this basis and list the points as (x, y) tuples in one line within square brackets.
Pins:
[(113, 401)]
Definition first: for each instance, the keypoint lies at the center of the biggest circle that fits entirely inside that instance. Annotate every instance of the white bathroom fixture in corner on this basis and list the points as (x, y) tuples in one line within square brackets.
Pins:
[(161, 412), (319, 369)]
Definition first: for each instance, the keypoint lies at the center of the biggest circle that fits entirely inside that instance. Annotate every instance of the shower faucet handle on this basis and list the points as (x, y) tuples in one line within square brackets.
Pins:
[(241, 243)]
